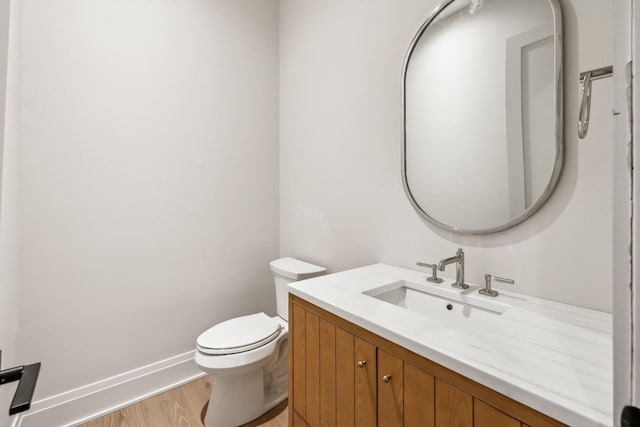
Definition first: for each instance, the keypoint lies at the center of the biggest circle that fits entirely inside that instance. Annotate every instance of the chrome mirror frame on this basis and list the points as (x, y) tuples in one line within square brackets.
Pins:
[(559, 127)]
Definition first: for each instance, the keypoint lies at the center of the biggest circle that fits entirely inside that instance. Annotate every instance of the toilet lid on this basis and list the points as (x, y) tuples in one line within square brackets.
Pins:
[(239, 334)]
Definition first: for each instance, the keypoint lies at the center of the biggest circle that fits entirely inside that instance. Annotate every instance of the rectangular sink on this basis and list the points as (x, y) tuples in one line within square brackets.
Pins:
[(452, 308)]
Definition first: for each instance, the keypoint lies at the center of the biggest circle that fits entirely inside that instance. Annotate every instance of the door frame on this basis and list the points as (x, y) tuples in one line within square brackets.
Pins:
[(626, 195)]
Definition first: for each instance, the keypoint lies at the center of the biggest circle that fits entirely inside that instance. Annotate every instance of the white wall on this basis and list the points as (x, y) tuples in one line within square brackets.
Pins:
[(9, 340), (147, 178), (341, 197)]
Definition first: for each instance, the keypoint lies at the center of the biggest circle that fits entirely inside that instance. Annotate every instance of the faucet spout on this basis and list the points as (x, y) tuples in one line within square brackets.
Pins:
[(458, 259), (442, 264)]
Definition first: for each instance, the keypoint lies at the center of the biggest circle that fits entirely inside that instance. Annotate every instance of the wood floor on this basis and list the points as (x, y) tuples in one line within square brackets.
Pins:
[(179, 407)]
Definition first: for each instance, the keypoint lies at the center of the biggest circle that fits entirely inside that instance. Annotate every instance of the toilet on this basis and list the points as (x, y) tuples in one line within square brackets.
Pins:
[(248, 355)]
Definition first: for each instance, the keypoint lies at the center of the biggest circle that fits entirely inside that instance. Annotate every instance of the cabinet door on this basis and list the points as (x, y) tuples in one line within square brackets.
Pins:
[(390, 390), (487, 416), (365, 395), (312, 369), (454, 408), (419, 397), (345, 370), (327, 374), (298, 359)]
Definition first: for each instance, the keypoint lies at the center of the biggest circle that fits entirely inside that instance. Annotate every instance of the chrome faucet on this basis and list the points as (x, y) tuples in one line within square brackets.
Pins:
[(459, 260), (434, 272), (487, 285)]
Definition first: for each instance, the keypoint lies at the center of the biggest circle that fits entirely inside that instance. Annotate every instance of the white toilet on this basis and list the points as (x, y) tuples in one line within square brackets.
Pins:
[(248, 355)]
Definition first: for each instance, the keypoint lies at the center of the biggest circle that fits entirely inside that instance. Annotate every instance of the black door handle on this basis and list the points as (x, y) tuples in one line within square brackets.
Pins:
[(630, 417), (27, 377)]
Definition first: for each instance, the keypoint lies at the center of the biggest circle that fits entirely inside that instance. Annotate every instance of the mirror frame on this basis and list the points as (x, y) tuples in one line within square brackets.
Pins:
[(559, 127)]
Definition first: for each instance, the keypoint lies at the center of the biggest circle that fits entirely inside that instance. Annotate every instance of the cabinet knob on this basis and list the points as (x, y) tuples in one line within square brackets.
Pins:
[(361, 363), (386, 378)]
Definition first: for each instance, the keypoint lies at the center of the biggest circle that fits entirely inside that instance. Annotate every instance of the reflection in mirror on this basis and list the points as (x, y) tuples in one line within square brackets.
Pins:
[(482, 89)]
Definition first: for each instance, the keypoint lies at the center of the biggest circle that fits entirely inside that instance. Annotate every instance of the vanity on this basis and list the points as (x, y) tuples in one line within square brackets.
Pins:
[(379, 345)]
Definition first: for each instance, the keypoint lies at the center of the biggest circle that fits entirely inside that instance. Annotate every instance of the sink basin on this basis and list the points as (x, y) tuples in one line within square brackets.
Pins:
[(450, 307)]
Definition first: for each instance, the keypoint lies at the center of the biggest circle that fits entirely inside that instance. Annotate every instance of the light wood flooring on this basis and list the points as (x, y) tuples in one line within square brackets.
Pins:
[(179, 407)]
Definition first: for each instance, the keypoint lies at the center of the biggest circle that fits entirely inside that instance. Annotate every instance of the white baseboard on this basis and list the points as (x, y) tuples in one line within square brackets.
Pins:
[(94, 400)]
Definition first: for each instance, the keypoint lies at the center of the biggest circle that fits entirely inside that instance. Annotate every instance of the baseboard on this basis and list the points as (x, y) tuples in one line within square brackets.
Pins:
[(94, 400)]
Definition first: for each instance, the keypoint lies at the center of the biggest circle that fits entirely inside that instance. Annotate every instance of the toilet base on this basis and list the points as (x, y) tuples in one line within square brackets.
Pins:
[(238, 399)]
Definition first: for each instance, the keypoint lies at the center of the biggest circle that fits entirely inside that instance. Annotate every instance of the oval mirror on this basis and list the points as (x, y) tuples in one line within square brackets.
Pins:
[(483, 113)]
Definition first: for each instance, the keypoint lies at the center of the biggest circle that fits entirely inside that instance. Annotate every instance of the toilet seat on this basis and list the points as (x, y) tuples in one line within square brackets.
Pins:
[(239, 334)]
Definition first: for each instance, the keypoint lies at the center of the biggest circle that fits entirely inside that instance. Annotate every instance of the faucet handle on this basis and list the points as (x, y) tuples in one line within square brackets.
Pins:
[(434, 272), (487, 284)]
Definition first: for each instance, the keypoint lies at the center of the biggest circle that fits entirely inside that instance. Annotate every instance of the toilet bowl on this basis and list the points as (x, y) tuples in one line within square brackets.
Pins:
[(248, 355)]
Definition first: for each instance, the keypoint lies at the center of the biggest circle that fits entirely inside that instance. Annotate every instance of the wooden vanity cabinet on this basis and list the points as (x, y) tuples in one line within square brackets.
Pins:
[(341, 375)]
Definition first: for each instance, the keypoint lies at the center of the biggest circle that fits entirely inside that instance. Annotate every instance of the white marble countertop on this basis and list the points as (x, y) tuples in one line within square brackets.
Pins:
[(553, 357)]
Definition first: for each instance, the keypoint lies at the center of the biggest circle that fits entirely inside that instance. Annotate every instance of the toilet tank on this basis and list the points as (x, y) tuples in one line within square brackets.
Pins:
[(287, 270)]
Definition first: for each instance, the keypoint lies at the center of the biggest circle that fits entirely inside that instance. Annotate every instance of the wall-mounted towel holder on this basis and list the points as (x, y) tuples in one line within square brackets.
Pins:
[(585, 96)]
